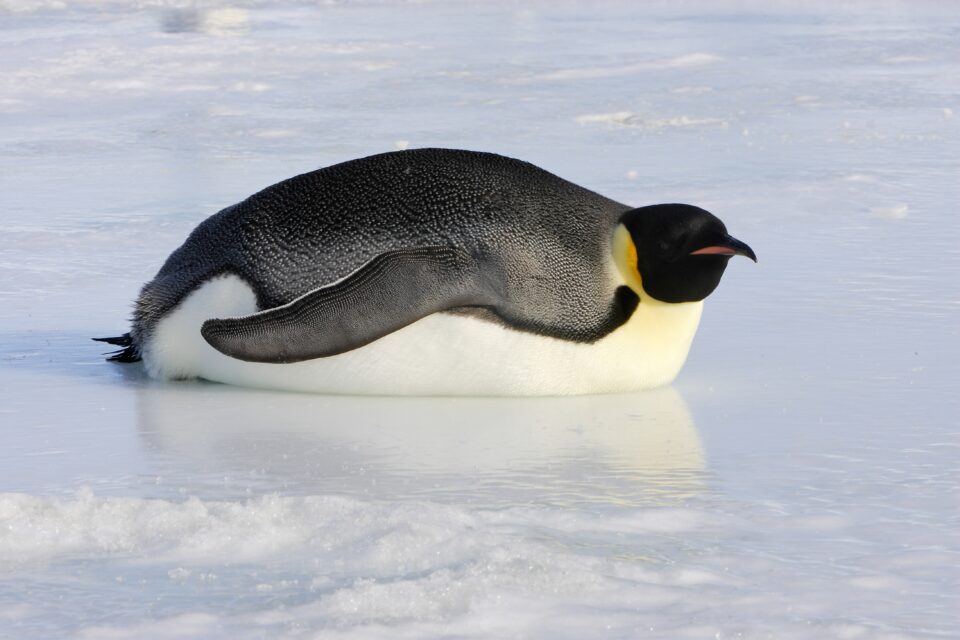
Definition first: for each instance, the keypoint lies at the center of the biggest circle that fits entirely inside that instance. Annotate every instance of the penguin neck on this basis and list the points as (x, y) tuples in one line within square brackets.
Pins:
[(666, 329), (625, 257)]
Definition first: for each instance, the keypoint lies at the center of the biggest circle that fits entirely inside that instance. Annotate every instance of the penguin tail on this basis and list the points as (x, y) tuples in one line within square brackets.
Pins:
[(127, 352)]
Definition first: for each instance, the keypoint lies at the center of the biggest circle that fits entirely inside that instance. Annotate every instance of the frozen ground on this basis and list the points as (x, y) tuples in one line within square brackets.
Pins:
[(799, 481)]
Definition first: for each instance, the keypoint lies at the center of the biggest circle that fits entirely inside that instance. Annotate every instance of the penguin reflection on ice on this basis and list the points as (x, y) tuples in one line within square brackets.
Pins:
[(432, 272), (625, 449)]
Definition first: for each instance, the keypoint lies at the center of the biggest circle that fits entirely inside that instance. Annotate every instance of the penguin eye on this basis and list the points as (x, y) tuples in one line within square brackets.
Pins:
[(670, 249)]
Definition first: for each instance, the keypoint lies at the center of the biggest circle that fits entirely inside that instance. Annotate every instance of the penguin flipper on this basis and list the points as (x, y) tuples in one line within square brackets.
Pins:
[(391, 291)]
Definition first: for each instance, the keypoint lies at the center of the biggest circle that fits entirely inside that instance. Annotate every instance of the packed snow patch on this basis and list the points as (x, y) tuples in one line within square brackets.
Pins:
[(893, 212), (639, 121), (679, 62), (404, 536)]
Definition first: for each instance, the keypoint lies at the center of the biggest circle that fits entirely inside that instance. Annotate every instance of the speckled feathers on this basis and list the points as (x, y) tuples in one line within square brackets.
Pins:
[(542, 241)]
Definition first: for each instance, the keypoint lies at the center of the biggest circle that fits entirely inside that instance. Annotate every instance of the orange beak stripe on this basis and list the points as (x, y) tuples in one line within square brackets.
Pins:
[(716, 250)]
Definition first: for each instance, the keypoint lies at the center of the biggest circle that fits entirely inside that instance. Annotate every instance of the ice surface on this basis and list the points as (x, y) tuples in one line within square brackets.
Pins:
[(799, 481)]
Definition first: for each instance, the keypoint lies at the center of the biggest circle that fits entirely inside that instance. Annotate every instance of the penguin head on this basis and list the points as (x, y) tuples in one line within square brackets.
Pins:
[(681, 250)]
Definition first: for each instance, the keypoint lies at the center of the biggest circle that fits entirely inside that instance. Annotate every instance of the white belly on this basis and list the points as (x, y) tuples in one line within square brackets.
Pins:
[(442, 354)]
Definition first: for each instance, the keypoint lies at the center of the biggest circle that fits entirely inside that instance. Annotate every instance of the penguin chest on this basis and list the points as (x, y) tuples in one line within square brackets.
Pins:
[(442, 354)]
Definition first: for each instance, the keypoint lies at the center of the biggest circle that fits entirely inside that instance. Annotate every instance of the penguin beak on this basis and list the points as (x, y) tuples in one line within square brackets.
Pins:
[(729, 246)]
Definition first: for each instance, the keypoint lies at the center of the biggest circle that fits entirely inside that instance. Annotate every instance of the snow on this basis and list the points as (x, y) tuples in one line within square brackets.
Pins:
[(799, 480)]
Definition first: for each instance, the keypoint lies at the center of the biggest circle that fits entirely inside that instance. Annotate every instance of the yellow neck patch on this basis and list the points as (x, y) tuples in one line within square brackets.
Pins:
[(625, 257)]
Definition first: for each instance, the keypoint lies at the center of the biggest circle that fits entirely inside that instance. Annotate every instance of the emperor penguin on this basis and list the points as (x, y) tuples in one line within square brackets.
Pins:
[(432, 272)]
